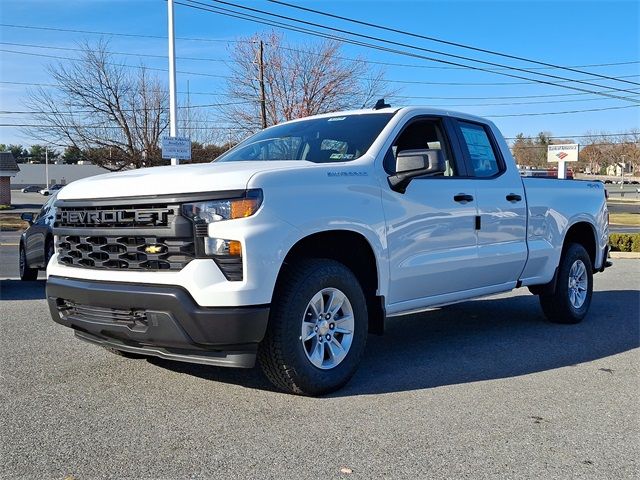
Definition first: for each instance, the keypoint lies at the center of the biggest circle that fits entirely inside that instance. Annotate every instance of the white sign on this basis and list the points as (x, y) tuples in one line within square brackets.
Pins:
[(562, 153), (176, 147)]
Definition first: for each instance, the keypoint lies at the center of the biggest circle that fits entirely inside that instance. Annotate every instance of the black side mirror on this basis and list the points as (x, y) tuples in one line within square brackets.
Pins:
[(416, 163), (27, 217)]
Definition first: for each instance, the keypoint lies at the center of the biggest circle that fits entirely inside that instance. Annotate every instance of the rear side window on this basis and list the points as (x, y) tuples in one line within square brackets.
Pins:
[(484, 161)]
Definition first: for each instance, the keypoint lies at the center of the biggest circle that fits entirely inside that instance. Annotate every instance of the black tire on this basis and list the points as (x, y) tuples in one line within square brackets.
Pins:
[(282, 354), (26, 273), (557, 306), (121, 353)]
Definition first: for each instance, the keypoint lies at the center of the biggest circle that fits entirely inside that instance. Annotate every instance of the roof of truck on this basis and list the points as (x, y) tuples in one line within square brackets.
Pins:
[(417, 109)]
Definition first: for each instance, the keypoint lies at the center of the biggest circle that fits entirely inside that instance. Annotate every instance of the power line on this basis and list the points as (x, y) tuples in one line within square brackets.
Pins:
[(143, 67), (255, 19), (117, 34), (405, 45), (560, 113), (580, 136), (32, 125), (420, 97), (79, 112), (391, 64), (408, 82), (438, 40), (130, 54)]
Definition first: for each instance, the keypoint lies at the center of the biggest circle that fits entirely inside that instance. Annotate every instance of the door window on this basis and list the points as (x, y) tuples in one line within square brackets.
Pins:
[(424, 134), (484, 162)]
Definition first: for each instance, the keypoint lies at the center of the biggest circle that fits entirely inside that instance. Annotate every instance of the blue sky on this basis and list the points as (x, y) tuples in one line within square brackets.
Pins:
[(560, 32)]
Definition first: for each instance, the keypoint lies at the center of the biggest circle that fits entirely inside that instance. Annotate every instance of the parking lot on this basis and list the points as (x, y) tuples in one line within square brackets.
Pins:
[(481, 389)]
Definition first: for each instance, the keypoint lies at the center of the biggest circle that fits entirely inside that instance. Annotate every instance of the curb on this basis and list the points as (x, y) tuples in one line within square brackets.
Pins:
[(624, 255)]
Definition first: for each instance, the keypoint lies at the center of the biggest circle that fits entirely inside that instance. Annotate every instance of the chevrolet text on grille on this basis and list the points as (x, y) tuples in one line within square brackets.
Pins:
[(112, 216)]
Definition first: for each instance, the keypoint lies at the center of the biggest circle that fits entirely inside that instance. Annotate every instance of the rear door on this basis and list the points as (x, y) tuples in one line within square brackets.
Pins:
[(500, 199), (431, 233)]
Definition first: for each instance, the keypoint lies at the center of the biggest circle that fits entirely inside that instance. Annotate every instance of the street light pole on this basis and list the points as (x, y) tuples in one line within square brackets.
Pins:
[(173, 130), (46, 166)]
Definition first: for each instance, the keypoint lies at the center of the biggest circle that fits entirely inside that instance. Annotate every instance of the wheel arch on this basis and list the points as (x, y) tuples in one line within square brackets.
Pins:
[(583, 233), (341, 245)]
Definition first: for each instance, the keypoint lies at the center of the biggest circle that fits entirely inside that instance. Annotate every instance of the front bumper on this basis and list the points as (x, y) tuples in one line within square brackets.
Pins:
[(156, 320)]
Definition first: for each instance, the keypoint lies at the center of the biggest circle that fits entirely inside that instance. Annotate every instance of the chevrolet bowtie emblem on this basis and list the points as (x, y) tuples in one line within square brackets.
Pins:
[(153, 248)]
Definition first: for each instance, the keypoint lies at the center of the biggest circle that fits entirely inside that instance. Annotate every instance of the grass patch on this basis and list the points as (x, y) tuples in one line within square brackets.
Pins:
[(625, 242), (625, 218), (5, 207), (12, 222)]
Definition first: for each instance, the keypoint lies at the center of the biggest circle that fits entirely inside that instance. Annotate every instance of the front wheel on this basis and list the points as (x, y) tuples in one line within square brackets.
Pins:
[(574, 287), (317, 328)]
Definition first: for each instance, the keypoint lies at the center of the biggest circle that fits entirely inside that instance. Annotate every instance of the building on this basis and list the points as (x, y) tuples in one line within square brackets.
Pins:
[(36, 174), (8, 168), (616, 169)]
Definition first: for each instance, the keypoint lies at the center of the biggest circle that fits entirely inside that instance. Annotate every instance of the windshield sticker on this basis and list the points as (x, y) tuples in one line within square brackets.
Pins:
[(341, 156), (336, 119)]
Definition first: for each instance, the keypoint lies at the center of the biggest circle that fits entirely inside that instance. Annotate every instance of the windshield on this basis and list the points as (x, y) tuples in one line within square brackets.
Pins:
[(319, 140)]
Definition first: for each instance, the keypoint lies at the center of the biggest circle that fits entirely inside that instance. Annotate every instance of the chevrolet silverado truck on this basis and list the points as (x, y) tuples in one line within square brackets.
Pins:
[(294, 245)]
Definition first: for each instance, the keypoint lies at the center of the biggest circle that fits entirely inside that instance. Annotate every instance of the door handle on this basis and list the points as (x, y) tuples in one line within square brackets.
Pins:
[(514, 197), (463, 198)]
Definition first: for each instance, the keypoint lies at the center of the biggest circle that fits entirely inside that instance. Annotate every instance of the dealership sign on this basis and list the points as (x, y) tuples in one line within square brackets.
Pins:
[(176, 147), (562, 153)]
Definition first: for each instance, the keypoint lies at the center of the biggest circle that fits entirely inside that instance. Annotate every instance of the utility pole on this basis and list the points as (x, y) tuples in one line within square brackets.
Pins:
[(263, 102), (173, 130), (46, 166)]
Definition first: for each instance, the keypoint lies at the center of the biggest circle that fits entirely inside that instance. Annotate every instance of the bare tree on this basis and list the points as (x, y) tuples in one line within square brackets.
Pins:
[(116, 115), (298, 81)]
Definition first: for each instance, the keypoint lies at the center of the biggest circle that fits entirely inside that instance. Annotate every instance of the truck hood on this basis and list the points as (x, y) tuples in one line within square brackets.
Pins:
[(194, 178)]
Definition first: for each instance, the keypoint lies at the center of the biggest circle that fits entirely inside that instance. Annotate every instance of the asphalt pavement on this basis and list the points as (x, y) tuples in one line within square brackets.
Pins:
[(483, 389)]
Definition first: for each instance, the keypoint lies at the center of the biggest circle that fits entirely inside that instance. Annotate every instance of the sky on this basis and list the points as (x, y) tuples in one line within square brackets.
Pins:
[(566, 33)]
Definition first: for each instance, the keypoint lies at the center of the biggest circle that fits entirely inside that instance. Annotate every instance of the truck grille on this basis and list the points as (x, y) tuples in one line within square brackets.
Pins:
[(151, 236), (126, 252)]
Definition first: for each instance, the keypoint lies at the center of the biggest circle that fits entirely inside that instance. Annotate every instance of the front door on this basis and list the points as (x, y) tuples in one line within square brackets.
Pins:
[(431, 233)]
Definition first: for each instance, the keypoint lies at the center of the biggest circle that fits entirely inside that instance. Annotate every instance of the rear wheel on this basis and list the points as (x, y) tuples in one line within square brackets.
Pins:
[(26, 273), (317, 328), (574, 287)]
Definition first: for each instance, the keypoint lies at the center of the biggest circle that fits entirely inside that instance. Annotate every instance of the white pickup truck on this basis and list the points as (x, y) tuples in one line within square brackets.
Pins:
[(301, 240)]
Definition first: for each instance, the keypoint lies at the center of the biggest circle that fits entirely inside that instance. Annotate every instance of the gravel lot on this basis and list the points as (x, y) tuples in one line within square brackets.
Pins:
[(482, 389)]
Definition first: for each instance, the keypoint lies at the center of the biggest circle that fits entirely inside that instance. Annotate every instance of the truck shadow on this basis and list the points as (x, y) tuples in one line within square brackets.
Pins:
[(19, 290), (473, 341)]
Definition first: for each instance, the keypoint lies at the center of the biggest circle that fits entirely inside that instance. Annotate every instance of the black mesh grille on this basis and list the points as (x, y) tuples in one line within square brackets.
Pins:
[(125, 252), (125, 236)]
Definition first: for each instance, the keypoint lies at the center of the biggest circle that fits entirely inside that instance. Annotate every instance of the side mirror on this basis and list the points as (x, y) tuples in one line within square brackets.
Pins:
[(27, 217), (416, 163)]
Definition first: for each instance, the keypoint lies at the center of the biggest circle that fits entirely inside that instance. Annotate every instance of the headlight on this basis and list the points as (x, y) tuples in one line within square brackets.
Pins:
[(217, 210)]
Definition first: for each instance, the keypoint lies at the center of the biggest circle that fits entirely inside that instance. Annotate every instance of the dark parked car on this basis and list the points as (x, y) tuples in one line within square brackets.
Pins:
[(31, 188), (608, 181), (36, 242)]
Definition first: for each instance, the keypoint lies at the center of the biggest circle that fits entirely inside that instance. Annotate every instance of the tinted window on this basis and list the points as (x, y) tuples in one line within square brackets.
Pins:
[(320, 140), (483, 159)]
